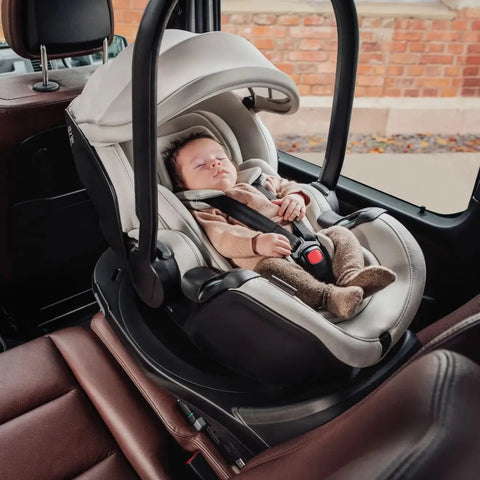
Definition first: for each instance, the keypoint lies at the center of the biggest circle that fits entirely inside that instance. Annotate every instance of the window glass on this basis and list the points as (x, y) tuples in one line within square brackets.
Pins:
[(431, 170), (441, 182), (414, 130)]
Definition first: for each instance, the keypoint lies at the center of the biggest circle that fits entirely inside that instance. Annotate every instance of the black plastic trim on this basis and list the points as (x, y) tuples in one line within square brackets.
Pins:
[(201, 284), (385, 341)]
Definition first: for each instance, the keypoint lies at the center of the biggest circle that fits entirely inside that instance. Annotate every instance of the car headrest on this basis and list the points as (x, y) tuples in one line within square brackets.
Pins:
[(65, 28)]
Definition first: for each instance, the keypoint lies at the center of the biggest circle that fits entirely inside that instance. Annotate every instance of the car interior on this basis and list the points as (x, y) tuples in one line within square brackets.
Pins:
[(139, 351)]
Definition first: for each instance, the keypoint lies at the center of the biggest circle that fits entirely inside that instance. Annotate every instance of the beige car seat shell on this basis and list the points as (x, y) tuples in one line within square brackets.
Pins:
[(208, 96)]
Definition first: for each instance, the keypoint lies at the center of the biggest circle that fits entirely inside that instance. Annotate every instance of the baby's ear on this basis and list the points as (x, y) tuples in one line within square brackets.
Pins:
[(177, 183)]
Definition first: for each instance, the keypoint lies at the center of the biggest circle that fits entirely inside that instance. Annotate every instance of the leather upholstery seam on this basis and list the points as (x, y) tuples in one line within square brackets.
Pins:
[(405, 466), (110, 454), (171, 428), (68, 392), (447, 335)]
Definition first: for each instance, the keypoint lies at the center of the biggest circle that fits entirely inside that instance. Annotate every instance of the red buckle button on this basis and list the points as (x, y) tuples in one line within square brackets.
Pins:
[(315, 256)]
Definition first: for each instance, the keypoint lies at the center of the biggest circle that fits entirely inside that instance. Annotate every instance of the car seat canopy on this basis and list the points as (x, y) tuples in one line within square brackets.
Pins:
[(228, 62)]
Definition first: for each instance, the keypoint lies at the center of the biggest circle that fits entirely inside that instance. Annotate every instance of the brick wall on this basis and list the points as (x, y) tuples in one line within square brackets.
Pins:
[(128, 14), (399, 57)]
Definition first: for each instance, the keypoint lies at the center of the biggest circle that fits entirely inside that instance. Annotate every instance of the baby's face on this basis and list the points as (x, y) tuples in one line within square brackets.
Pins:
[(204, 165)]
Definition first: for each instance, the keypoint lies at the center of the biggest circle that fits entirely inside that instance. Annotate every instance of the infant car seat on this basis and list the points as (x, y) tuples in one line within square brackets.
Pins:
[(255, 328)]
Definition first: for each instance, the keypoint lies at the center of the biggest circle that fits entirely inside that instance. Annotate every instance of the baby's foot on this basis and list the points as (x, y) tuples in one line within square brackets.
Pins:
[(370, 279), (344, 301)]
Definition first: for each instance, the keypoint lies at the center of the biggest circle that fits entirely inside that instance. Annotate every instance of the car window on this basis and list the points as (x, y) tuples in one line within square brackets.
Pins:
[(419, 167), (435, 171), (414, 132)]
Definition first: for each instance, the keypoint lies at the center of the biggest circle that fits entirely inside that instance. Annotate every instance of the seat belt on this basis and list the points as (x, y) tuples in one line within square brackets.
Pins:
[(307, 252)]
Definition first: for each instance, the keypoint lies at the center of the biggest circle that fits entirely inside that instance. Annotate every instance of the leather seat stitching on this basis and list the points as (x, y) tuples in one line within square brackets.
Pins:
[(406, 465), (447, 335), (116, 451), (171, 428), (68, 392)]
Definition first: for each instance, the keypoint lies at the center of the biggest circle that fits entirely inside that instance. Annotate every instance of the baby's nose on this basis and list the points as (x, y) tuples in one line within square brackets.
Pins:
[(216, 163)]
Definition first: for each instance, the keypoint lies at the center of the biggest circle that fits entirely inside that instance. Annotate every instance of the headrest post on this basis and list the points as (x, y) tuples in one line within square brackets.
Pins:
[(45, 85), (105, 50), (44, 60)]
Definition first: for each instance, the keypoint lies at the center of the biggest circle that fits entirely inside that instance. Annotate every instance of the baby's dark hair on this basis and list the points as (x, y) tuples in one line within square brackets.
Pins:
[(170, 156)]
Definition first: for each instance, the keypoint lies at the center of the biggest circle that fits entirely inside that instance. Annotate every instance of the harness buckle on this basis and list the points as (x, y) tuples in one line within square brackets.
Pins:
[(313, 258)]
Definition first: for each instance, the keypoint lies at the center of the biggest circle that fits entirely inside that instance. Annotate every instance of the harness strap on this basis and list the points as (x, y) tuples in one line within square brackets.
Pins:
[(251, 218), (307, 252)]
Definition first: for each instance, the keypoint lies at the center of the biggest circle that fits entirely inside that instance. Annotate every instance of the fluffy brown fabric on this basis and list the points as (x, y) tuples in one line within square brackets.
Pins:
[(341, 301), (348, 265), (353, 281)]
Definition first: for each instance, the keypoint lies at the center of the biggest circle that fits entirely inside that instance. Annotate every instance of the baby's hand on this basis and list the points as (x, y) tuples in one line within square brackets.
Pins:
[(292, 207), (271, 245)]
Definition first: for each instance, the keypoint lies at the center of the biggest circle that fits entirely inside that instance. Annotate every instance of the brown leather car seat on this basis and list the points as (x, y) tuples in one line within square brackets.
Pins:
[(420, 424), (458, 331), (67, 410)]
